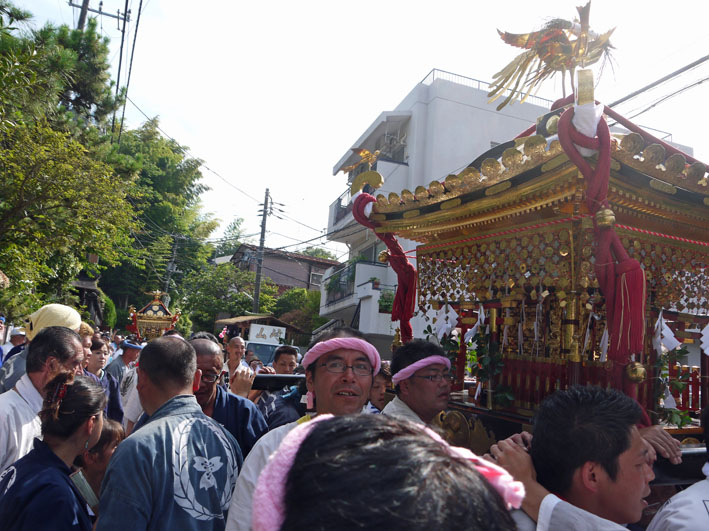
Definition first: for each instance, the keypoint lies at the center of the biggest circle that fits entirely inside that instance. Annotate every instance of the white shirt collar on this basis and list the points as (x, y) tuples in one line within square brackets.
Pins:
[(28, 392)]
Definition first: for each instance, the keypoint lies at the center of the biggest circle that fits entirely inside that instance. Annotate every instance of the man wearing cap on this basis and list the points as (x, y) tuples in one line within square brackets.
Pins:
[(53, 350), (18, 338), (339, 374), (118, 367), (47, 315), (421, 374)]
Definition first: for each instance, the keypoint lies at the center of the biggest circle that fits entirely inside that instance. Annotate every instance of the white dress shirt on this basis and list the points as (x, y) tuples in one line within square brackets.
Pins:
[(19, 423)]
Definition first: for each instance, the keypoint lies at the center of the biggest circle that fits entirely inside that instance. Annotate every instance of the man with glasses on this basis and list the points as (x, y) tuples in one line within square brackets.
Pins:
[(340, 368), (238, 415), (422, 379)]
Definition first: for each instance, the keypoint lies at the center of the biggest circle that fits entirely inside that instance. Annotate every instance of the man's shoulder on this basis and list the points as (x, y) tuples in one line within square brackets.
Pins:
[(691, 498), (273, 438), (239, 401), (12, 399)]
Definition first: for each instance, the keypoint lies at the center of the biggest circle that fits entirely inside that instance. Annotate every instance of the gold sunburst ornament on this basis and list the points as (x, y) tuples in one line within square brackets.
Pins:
[(560, 46)]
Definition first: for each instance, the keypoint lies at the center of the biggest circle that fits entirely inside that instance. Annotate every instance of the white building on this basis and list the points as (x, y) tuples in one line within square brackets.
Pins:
[(439, 128)]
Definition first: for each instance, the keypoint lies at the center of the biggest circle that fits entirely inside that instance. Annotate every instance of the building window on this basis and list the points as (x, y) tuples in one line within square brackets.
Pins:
[(315, 279)]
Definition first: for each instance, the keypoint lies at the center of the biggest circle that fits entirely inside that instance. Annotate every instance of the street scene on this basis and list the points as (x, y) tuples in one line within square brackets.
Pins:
[(395, 265)]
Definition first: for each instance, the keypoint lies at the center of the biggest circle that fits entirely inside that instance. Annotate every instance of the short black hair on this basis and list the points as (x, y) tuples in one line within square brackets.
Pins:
[(52, 341), (287, 350), (377, 472), (580, 425), (169, 361), (338, 331), (205, 335), (97, 344), (411, 352)]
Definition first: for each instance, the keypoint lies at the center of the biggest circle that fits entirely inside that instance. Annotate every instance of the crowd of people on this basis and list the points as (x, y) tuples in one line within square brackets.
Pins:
[(106, 432)]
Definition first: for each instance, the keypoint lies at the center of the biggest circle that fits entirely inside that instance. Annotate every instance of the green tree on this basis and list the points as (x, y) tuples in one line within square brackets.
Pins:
[(233, 236), (81, 59), (223, 288), (317, 252), (301, 308), (290, 300), (55, 209), (109, 311), (172, 240)]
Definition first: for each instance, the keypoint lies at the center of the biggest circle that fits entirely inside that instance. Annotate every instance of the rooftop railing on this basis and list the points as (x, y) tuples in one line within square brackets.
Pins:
[(435, 74)]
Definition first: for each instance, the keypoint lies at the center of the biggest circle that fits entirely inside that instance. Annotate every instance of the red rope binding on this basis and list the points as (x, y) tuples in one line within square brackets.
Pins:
[(621, 279), (405, 298)]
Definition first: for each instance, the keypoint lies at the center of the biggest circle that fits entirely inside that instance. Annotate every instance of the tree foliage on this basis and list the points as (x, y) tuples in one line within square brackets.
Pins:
[(58, 205), (301, 308), (318, 252), (224, 288), (172, 239), (233, 236)]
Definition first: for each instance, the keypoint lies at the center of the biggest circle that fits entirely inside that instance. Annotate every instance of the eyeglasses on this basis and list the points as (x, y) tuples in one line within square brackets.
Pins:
[(360, 368), (448, 377), (210, 378)]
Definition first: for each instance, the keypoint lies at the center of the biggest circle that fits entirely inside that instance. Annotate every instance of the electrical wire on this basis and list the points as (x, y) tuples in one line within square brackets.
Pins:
[(187, 152), (130, 67), (669, 96)]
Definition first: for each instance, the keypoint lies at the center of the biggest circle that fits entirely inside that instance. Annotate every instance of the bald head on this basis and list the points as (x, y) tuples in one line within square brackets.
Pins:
[(235, 350)]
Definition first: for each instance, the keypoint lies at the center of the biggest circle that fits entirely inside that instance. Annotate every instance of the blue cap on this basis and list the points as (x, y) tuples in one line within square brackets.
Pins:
[(127, 344)]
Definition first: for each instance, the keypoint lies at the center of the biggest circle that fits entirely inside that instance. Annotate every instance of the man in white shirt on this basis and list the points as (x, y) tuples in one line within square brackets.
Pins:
[(421, 373), (687, 510), (339, 375), (53, 349), (590, 464)]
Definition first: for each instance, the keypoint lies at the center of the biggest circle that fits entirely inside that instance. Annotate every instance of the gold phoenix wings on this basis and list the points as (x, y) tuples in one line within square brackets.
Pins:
[(560, 46)]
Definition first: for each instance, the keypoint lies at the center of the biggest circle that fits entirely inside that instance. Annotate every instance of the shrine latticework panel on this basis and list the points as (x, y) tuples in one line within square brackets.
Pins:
[(550, 307)]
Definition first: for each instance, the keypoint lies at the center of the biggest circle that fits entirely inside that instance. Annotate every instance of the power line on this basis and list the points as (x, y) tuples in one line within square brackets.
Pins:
[(130, 68), (660, 81), (668, 96), (361, 229), (120, 63), (187, 152)]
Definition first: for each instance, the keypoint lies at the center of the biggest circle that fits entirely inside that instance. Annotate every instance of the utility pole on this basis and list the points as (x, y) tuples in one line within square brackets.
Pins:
[(259, 260), (85, 10), (82, 15), (171, 268)]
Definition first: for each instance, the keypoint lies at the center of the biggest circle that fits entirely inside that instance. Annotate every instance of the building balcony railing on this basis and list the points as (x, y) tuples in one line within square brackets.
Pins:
[(343, 283), (341, 207)]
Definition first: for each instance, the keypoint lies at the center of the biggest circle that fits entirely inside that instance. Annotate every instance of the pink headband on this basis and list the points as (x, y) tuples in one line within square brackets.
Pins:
[(512, 491), (351, 343), (406, 372), (269, 495), (268, 503)]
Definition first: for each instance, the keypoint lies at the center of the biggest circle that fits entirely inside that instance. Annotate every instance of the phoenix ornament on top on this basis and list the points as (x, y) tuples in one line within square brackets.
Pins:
[(560, 46)]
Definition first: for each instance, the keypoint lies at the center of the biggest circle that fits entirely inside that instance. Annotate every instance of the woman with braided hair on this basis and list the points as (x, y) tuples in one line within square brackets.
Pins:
[(36, 491)]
